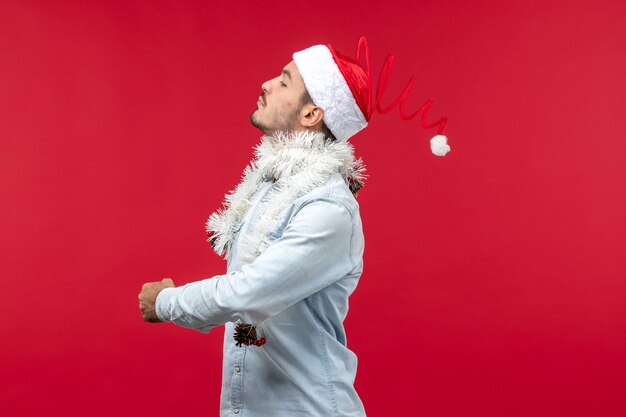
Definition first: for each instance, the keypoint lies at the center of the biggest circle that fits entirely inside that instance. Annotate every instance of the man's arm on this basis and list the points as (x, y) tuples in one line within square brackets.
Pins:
[(313, 252)]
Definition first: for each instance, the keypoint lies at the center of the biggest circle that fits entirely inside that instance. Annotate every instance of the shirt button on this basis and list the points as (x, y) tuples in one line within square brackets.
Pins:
[(236, 410), (237, 369)]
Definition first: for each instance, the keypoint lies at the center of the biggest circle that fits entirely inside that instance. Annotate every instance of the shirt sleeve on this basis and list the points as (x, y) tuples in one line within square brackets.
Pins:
[(313, 252)]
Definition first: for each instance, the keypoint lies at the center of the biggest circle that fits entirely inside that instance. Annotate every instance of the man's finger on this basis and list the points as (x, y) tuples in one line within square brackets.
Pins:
[(167, 282)]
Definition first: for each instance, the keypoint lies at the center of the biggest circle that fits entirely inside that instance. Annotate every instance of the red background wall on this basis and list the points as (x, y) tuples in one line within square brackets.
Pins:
[(494, 277)]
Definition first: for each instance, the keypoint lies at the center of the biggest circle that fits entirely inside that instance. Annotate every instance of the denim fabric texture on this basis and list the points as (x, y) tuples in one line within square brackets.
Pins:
[(296, 293)]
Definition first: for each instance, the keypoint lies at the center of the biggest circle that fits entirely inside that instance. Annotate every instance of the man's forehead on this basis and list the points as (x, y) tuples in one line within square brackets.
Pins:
[(291, 71)]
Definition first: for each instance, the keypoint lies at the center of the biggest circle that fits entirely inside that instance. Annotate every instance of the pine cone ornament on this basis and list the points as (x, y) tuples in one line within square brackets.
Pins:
[(245, 334)]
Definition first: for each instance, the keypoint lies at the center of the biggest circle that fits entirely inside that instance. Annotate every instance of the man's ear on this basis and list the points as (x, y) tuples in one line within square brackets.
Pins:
[(311, 115)]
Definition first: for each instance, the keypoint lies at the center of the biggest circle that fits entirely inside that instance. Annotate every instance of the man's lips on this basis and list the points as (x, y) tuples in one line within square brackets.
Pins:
[(260, 101)]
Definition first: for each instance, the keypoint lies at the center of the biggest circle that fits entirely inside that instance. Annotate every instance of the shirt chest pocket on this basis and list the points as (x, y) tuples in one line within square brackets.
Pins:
[(278, 232), (275, 235)]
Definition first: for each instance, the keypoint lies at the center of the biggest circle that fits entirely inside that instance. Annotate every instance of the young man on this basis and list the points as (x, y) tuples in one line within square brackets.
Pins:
[(293, 239)]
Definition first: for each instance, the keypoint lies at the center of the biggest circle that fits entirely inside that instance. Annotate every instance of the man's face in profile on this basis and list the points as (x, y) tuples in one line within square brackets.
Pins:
[(280, 102)]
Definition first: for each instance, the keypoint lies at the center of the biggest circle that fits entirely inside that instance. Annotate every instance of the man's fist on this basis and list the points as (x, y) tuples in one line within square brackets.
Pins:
[(147, 298)]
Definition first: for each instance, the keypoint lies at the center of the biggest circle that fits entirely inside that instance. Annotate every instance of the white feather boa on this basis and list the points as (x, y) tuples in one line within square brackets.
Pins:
[(298, 162)]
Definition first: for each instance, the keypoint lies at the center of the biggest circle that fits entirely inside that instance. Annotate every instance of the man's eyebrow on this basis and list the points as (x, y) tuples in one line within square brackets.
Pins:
[(287, 73)]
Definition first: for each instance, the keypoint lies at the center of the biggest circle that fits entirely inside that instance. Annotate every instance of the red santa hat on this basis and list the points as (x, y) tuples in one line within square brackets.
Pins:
[(343, 88)]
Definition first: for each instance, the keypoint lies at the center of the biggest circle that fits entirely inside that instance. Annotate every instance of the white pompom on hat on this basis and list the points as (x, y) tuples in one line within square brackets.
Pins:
[(343, 88)]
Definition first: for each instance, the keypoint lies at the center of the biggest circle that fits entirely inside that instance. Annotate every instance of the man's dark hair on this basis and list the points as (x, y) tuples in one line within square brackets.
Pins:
[(306, 99)]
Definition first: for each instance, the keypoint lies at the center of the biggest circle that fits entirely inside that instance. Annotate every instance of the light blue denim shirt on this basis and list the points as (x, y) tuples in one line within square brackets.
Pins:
[(296, 292)]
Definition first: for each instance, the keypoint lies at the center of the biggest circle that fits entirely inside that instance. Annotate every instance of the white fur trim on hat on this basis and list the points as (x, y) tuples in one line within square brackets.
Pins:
[(329, 90)]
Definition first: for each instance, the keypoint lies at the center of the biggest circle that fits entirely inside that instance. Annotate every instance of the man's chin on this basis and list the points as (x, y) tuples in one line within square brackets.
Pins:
[(267, 131), (254, 122)]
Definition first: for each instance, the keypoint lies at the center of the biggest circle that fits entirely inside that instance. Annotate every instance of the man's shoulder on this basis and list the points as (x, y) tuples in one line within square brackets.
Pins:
[(334, 190)]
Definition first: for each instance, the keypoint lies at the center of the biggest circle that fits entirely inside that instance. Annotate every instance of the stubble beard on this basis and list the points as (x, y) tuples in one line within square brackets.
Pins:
[(256, 123), (285, 126)]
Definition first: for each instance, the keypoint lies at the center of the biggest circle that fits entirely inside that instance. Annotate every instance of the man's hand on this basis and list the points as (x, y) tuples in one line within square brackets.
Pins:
[(147, 298)]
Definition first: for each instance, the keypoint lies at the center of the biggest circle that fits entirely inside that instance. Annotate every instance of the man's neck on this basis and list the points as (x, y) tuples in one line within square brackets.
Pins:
[(288, 134)]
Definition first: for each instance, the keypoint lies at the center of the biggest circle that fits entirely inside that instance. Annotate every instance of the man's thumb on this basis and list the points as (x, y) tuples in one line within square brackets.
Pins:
[(168, 282)]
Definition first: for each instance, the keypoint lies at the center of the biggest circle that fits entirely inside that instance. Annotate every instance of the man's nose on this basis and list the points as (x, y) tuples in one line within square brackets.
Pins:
[(267, 86)]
